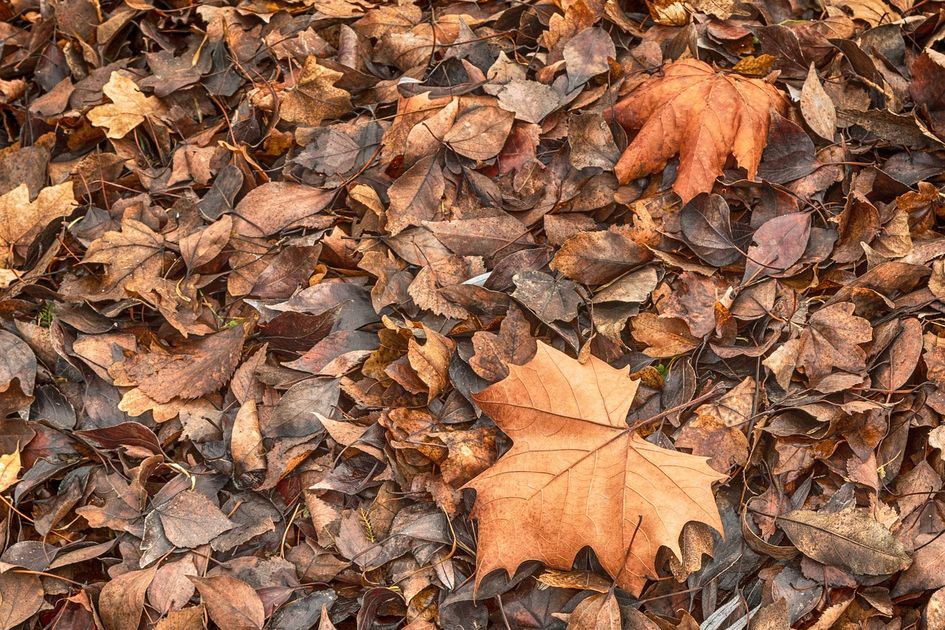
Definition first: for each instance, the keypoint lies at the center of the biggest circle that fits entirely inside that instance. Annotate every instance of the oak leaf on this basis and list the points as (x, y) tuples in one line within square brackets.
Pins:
[(577, 476), (700, 114)]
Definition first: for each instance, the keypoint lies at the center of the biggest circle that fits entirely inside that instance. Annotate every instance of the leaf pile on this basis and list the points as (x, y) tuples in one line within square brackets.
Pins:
[(568, 315)]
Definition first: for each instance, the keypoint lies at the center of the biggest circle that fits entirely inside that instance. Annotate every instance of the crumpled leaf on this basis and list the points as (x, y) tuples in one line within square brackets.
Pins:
[(703, 116), (831, 340), (546, 498)]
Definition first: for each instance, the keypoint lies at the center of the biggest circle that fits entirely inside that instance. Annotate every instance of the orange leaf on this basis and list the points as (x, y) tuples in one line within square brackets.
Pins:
[(701, 115), (577, 475)]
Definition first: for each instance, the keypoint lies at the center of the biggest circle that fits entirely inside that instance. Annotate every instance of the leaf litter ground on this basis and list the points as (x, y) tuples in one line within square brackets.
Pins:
[(575, 315)]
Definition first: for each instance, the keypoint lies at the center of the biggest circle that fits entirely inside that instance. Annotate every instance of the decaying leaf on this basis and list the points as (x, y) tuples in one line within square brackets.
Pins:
[(850, 539)]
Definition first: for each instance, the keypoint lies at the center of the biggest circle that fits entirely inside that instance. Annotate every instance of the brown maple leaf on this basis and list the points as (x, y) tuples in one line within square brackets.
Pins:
[(577, 476), (700, 114), (832, 339), (21, 219), (128, 109), (315, 96)]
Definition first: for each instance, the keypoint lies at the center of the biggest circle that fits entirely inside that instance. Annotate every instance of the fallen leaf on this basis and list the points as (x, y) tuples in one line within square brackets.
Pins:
[(818, 110), (480, 133), (545, 499), (831, 340), (600, 256), (586, 55), (779, 243), (190, 618), (549, 298), (190, 519), (128, 109), (122, 600), (700, 114), (663, 336), (718, 430), (315, 97), (202, 246), (9, 469), (596, 612), (231, 603), (134, 253), (189, 370), (21, 219), (277, 206), (416, 196), (22, 597), (850, 539), (592, 142)]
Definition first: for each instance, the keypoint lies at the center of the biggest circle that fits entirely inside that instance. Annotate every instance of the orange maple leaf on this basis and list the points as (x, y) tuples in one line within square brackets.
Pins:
[(700, 114), (577, 476)]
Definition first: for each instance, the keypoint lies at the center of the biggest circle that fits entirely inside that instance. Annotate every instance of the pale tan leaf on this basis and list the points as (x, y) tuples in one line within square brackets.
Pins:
[(128, 109), (577, 476)]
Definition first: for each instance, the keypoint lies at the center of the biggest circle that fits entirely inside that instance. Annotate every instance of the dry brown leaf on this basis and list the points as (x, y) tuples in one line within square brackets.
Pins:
[(851, 539), (190, 519), (702, 115), (663, 336), (189, 370), (21, 219), (22, 597), (231, 603), (9, 469), (480, 133), (597, 612), (315, 97), (431, 361), (818, 110), (246, 443), (202, 246), (128, 109), (417, 195), (831, 340), (718, 430), (599, 257), (134, 253), (277, 206), (122, 600), (547, 497)]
